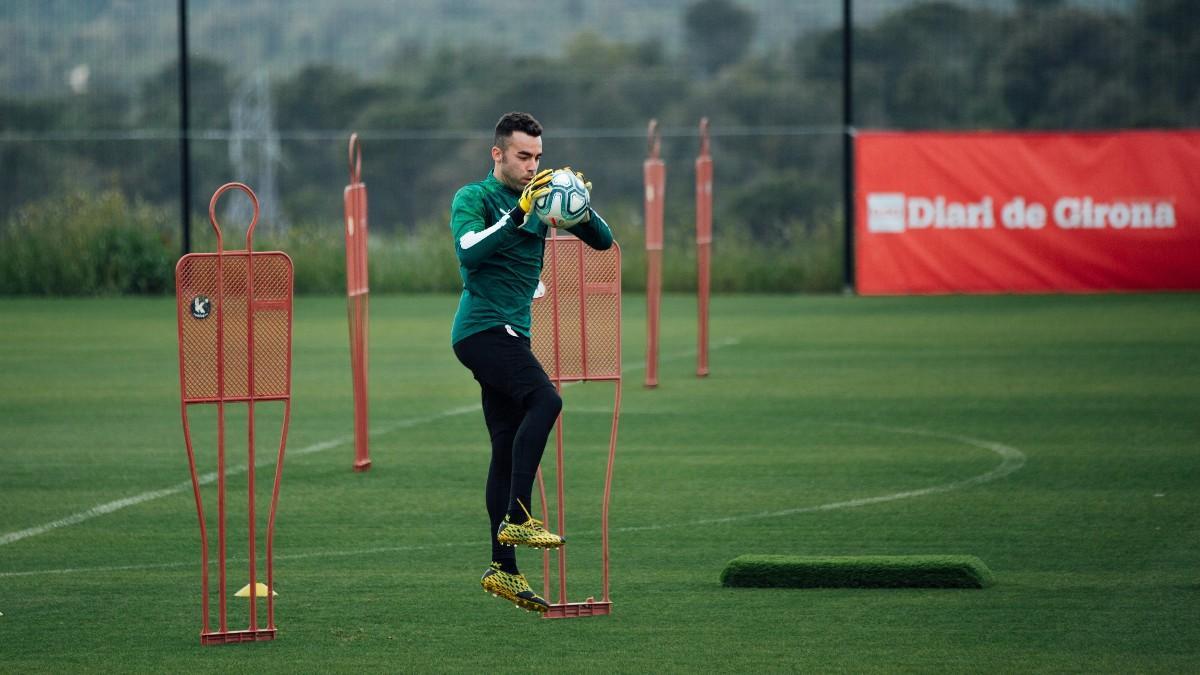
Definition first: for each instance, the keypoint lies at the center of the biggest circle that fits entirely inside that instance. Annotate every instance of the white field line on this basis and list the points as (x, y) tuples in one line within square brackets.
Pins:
[(1011, 460), (208, 478)]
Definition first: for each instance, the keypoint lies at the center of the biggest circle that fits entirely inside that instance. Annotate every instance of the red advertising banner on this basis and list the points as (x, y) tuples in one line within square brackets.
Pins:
[(984, 212)]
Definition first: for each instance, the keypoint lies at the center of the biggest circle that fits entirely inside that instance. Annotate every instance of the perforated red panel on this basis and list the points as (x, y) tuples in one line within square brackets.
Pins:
[(201, 308), (580, 312)]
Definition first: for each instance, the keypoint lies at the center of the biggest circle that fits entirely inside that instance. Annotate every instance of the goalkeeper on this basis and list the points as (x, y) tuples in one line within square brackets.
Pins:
[(500, 245)]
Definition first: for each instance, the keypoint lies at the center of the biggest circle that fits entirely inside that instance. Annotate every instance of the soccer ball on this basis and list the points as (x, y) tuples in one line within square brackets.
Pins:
[(567, 202)]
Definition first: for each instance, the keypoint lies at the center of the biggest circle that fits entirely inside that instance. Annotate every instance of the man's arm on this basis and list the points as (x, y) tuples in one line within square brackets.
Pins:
[(593, 231), (475, 240)]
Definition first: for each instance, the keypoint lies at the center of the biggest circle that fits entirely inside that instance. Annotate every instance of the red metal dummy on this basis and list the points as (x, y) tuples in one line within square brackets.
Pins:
[(577, 338), (704, 183), (234, 311), (355, 198), (654, 172)]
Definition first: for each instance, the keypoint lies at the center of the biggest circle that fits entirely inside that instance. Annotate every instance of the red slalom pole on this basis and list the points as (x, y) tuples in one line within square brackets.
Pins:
[(355, 200), (654, 172), (704, 181)]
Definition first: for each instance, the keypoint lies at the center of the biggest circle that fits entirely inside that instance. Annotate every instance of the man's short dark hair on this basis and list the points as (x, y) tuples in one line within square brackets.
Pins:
[(515, 121)]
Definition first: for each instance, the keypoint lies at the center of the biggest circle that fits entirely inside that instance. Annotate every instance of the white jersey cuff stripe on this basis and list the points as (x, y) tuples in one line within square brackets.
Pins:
[(471, 238)]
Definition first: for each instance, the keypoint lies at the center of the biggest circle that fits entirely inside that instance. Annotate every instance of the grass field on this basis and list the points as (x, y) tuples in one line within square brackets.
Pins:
[(1055, 437)]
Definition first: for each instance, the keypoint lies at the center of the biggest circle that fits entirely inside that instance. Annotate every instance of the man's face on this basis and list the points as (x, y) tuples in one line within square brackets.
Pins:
[(518, 161)]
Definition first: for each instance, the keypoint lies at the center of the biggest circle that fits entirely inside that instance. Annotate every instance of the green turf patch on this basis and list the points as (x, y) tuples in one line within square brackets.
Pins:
[(867, 571)]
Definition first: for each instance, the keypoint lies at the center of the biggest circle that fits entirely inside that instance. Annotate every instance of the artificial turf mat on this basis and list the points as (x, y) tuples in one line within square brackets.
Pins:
[(872, 571)]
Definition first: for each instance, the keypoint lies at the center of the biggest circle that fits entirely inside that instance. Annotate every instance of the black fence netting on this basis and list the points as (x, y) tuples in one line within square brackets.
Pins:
[(90, 96)]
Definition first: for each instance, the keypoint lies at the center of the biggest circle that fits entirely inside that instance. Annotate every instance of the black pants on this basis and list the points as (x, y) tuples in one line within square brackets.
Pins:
[(520, 406)]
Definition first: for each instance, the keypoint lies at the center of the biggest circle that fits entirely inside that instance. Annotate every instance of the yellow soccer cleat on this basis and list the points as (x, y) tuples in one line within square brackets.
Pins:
[(512, 587), (530, 533)]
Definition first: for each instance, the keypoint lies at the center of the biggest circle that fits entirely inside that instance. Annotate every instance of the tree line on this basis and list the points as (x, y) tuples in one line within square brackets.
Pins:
[(776, 113)]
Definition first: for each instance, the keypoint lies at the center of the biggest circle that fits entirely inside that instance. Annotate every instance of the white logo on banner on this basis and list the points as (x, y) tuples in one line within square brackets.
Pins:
[(895, 212), (1076, 212), (885, 212)]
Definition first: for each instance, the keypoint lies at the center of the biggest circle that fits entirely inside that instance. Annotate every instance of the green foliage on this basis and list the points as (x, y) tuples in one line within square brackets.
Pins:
[(1059, 71), (867, 571), (422, 260), (414, 262), (776, 206), (927, 67), (718, 33), (103, 244), (775, 108), (86, 245)]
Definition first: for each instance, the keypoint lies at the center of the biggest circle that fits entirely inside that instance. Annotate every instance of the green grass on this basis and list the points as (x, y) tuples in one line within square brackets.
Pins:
[(857, 571), (830, 426)]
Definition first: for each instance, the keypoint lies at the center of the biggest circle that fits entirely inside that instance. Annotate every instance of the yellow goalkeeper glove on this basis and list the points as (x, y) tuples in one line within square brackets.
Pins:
[(579, 174), (587, 217), (535, 189)]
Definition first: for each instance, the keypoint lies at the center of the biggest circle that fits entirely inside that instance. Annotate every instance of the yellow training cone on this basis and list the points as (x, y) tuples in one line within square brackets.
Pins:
[(260, 591)]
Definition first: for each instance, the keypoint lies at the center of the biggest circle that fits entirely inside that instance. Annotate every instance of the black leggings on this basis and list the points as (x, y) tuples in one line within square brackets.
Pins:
[(520, 406)]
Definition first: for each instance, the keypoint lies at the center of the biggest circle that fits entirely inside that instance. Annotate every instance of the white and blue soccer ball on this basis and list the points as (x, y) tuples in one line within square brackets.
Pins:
[(567, 202)]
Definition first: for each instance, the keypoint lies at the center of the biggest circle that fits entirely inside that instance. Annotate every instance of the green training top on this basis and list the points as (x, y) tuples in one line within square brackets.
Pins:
[(500, 256)]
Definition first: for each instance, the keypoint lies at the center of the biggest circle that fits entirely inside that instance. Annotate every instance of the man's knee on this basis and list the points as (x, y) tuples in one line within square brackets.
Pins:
[(544, 400)]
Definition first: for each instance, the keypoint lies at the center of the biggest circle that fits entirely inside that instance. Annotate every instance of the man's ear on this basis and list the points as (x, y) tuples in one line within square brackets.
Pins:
[(497, 154)]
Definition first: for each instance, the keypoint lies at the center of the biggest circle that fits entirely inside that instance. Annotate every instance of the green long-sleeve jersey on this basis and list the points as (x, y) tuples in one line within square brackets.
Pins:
[(500, 252)]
